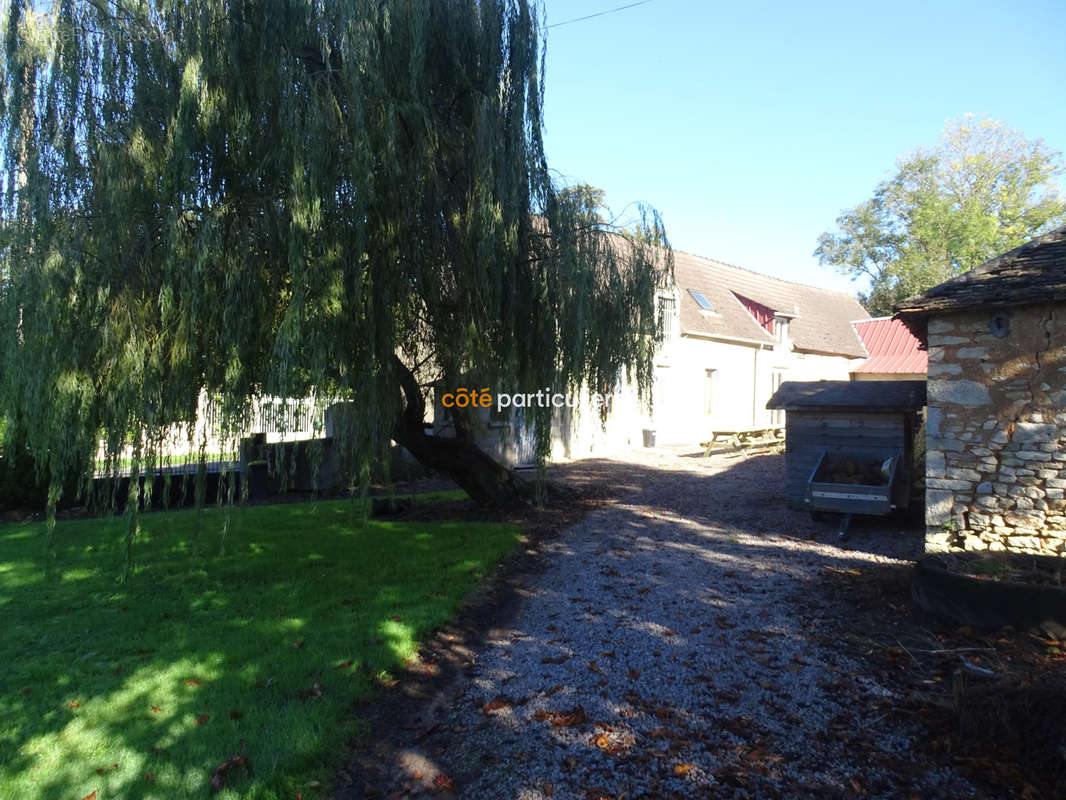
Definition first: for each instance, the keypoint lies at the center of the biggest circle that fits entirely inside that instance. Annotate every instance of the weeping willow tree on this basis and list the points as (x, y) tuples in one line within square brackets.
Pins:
[(285, 198)]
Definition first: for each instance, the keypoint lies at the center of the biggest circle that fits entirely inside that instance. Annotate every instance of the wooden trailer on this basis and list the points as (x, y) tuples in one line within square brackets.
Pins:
[(848, 422)]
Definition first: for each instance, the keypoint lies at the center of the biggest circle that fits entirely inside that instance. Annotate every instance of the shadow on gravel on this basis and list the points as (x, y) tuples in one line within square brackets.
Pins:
[(726, 518)]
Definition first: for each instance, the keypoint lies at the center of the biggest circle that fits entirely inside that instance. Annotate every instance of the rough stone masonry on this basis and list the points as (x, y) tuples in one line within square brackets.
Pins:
[(996, 430)]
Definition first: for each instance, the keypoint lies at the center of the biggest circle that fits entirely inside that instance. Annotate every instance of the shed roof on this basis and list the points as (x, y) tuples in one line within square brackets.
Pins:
[(892, 347), (849, 396), (820, 318), (1032, 273)]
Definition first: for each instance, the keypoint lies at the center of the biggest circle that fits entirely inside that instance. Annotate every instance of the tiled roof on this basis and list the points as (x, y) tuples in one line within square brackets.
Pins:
[(849, 396), (892, 347), (1032, 273), (821, 318)]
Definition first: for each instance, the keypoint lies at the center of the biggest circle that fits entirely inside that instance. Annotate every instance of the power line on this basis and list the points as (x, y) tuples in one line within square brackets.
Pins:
[(598, 14)]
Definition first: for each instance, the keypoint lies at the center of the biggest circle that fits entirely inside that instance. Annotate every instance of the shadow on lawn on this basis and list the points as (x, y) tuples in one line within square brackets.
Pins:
[(726, 519), (144, 689)]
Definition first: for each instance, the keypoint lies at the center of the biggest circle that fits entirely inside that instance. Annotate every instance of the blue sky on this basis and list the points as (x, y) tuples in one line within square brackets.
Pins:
[(751, 126)]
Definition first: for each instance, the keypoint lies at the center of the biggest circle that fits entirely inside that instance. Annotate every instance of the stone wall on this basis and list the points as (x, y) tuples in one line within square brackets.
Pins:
[(996, 431)]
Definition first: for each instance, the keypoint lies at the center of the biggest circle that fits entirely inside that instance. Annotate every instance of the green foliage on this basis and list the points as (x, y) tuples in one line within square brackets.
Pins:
[(87, 661), (272, 198), (983, 190), (20, 486)]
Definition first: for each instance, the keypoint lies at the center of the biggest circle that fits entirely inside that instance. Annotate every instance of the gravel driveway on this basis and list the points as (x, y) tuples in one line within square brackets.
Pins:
[(675, 647)]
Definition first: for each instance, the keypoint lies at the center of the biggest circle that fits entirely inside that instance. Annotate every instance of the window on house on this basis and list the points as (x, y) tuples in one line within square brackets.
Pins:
[(701, 300), (708, 391), (781, 329), (667, 311)]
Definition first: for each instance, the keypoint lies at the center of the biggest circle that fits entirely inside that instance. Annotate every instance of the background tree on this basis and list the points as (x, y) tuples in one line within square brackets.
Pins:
[(983, 190), (278, 198)]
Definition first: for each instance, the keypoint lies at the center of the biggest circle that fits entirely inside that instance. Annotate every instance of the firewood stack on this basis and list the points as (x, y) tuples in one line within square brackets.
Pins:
[(848, 470)]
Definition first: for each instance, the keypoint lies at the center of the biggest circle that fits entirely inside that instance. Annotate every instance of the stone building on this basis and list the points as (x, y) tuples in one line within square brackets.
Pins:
[(996, 419)]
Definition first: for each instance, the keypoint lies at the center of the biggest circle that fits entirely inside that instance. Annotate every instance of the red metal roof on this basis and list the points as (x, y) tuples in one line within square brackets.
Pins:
[(892, 347)]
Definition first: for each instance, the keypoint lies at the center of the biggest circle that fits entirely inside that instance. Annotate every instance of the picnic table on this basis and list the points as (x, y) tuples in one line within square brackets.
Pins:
[(743, 438)]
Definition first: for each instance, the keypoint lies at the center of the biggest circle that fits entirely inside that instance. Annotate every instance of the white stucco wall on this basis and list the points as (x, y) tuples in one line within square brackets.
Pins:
[(743, 382)]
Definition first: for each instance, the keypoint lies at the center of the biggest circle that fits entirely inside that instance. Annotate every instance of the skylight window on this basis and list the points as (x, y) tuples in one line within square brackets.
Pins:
[(703, 302)]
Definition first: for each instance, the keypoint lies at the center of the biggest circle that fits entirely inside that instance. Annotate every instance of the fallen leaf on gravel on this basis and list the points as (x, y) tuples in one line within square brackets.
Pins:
[(659, 733), (683, 769), (633, 673), (444, 783), (594, 667), (156, 709), (603, 742), (564, 719), (549, 789), (496, 705), (569, 764), (554, 659)]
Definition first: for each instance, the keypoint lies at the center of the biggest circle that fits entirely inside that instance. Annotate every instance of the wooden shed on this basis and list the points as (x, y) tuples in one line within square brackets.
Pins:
[(855, 419)]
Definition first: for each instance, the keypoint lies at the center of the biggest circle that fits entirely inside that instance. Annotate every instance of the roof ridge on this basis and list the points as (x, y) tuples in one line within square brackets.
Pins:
[(763, 274)]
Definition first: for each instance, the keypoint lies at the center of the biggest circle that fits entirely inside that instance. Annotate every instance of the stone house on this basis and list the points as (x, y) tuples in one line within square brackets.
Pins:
[(996, 419)]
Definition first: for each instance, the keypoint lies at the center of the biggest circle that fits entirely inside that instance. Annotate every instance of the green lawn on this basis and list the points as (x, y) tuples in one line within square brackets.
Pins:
[(142, 689)]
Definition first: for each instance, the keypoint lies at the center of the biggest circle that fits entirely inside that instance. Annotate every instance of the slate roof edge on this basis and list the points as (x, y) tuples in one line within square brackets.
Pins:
[(927, 302)]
